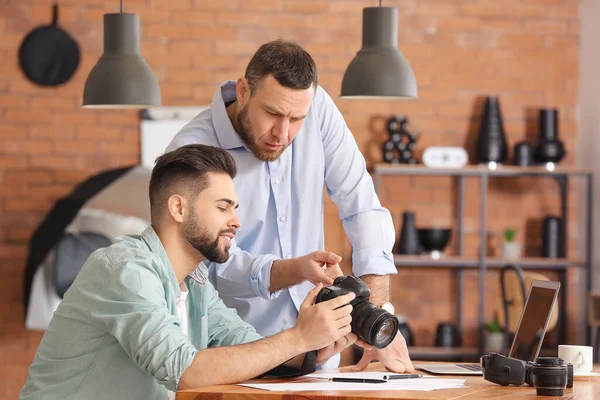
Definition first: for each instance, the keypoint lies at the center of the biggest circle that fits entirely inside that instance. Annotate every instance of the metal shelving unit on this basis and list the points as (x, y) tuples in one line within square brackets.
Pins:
[(562, 175)]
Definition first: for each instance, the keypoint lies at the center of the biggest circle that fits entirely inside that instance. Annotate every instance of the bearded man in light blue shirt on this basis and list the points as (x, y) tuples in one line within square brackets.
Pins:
[(290, 141), (122, 331)]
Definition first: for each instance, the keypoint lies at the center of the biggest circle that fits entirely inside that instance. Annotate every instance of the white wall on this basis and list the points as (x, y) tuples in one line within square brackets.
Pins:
[(589, 123), (589, 113)]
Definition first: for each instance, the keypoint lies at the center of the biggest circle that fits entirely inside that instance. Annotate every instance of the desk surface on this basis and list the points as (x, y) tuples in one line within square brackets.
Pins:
[(477, 388)]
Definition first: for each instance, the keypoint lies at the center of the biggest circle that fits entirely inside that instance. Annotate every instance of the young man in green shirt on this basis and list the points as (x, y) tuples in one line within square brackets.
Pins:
[(142, 320)]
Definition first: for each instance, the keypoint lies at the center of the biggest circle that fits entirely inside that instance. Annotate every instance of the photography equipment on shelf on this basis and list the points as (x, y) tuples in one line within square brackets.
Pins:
[(400, 147), (491, 140), (369, 322), (549, 375)]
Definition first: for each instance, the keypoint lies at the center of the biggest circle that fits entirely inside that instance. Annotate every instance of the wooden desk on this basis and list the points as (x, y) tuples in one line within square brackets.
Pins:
[(477, 389)]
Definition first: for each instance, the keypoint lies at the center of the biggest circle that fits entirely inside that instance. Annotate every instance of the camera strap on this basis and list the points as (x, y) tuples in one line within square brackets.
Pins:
[(309, 365)]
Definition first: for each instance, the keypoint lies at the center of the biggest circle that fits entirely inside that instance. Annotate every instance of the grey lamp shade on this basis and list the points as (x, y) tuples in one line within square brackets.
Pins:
[(379, 70), (121, 78)]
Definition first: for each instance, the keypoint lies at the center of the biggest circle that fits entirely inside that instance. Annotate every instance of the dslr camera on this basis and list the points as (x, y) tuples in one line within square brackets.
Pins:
[(549, 375), (370, 323)]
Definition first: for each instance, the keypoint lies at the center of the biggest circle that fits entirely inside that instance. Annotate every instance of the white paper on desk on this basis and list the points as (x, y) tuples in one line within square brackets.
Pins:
[(402, 384)]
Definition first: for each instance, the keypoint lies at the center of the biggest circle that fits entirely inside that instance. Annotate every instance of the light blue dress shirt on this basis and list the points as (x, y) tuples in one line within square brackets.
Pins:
[(281, 208), (116, 334)]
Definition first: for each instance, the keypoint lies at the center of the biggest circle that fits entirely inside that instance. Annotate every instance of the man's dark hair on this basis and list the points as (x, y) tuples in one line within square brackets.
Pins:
[(183, 171), (287, 61)]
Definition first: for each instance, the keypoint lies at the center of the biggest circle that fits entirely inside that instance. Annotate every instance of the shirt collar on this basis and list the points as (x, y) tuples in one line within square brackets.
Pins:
[(227, 136), (153, 241)]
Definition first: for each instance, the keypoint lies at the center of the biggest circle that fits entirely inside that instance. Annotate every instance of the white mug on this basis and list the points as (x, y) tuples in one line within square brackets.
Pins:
[(582, 357)]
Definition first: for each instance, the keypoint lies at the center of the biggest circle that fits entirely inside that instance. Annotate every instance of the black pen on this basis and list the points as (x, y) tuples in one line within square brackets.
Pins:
[(404, 376), (358, 380)]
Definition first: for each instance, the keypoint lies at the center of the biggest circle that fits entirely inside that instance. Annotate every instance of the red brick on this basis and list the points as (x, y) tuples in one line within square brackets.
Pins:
[(546, 27), (307, 6), (13, 101), (75, 146), (216, 4), (25, 147), (262, 5), (194, 17), (24, 116), (176, 90), (12, 161), (235, 47), (347, 7), (119, 117), (179, 5), (60, 103), (57, 162), (437, 8), (52, 131), (190, 32), (25, 204), (189, 76)]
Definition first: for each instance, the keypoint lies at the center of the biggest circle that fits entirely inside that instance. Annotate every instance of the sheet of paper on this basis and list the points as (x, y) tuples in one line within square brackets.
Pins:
[(401, 384)]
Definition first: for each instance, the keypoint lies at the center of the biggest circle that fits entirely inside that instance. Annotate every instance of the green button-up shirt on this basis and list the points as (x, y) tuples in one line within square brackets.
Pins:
[(116, 335)]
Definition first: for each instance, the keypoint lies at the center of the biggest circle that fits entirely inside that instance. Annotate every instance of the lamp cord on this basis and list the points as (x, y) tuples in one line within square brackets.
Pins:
[(122, 6), (379, 3)]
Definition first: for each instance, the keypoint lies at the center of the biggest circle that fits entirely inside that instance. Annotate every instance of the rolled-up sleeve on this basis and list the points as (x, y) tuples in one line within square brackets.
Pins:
[(367, 224), (132, 308), (244, 275)]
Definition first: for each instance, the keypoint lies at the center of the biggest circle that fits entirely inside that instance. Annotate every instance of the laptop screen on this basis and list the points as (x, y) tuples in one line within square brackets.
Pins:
[(534, 320)]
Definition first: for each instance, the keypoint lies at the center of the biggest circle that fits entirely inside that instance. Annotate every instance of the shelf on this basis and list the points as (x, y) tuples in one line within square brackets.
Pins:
[(491, 262), (478, 170)]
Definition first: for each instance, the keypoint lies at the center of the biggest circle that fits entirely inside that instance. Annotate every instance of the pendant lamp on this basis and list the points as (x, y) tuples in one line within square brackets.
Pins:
[(121, 78), (379, 70)]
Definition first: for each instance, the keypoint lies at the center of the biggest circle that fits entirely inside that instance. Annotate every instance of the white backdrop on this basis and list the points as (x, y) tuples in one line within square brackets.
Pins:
[(158, 131)]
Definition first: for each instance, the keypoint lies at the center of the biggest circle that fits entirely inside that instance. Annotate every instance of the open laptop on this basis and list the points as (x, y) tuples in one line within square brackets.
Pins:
[(529, 335)]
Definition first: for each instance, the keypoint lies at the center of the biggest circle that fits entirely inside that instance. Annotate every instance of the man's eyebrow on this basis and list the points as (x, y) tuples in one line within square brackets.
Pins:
[(230, 202), (275, 111)]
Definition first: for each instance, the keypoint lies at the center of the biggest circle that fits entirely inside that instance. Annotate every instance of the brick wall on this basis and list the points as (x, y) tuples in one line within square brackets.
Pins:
[(525, 51)]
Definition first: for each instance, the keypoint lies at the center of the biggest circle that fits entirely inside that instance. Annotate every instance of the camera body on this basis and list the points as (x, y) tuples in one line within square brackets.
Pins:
[(549, 375), (370, 323)]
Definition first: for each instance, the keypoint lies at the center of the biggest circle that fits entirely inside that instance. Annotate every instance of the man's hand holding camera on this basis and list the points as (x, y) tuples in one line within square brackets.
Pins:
[(320, 325), (326, 325)]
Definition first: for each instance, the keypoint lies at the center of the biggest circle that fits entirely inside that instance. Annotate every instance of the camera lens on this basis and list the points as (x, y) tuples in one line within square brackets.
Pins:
[(549, 376), (374, 325), (385, 331)]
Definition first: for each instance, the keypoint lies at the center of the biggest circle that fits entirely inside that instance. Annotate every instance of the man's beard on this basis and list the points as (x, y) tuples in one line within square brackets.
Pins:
[(245, 132), (201, 240)]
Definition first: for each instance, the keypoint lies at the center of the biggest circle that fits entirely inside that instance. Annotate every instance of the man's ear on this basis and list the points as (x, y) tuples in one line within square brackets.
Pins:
[(177, 207), (242, 91)]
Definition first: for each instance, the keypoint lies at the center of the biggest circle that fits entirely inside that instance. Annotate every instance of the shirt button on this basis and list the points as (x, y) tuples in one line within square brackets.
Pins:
[(293, 292), (282, 218), (287, 256), (276, 181)]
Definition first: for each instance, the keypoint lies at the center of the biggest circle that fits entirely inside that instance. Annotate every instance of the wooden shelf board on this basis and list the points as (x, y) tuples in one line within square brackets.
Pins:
[(476, 170), (491, 262)]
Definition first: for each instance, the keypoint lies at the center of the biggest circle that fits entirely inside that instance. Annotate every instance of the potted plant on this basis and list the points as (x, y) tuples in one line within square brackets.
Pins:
[(511, 250), (493, 339)]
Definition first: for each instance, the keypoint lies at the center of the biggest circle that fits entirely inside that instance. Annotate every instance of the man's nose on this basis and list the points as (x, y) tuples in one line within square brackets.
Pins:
[(235, 222), (281, 130)]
